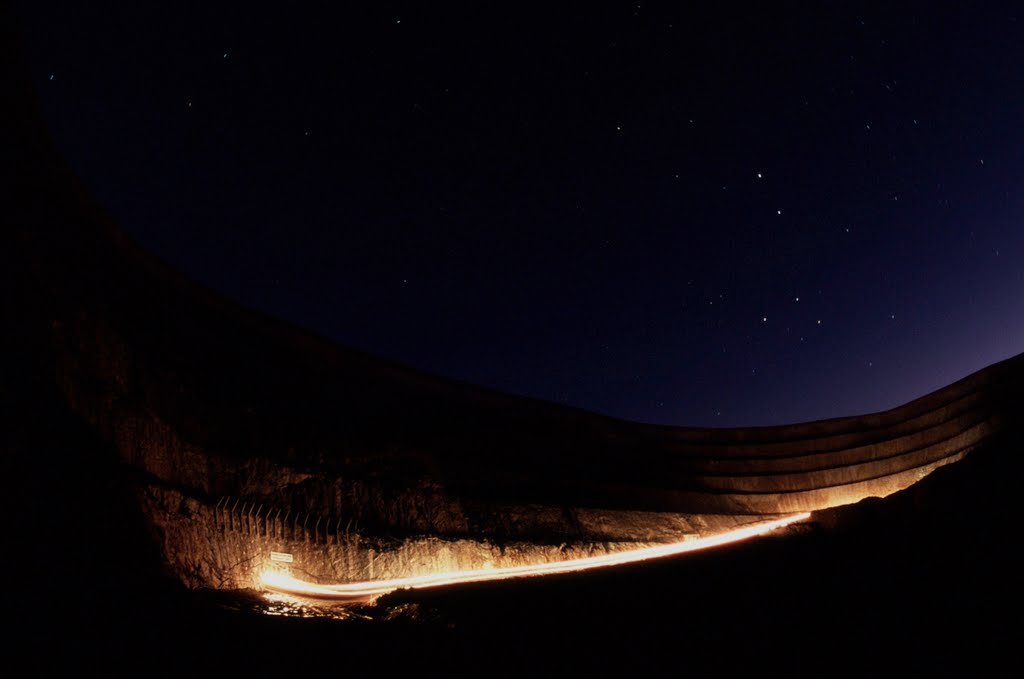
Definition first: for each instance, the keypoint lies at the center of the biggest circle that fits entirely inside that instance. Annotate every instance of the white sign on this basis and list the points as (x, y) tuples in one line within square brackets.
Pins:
[(284, 557)]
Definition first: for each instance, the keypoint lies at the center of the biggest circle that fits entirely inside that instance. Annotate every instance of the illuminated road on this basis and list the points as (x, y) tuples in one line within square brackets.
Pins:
[(362, 591)]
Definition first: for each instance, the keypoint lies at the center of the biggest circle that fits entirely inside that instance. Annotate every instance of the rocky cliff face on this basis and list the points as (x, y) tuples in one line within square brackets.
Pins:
[(232, 544), (341, 529)]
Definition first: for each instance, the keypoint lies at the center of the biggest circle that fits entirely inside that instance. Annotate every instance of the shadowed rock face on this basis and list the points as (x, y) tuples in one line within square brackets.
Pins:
[(246, 435)]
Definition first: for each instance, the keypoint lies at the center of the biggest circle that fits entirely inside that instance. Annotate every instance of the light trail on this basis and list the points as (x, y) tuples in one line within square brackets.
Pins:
[(362, 591)]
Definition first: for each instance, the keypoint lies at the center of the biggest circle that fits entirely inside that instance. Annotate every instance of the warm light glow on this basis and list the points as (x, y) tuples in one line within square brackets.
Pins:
[(361, 591)]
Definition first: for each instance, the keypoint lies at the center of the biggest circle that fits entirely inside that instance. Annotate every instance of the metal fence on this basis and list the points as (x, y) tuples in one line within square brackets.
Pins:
[(257, 519)]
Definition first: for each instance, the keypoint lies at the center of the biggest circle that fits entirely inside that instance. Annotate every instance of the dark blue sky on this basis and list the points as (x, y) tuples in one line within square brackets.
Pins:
[(741, 216)]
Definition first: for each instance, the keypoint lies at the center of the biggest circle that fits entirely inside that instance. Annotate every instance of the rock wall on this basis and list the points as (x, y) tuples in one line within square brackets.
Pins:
[(230, 545)]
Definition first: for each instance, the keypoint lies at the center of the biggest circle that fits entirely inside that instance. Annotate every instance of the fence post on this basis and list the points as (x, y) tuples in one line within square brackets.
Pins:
[(216, 513)]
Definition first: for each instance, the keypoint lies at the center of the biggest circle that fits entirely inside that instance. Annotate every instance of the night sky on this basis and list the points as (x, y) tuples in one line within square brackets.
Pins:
[(722, 218)]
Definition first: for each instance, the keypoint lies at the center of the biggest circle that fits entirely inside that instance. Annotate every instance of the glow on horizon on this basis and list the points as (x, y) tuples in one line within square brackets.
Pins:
[(283, 583)]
